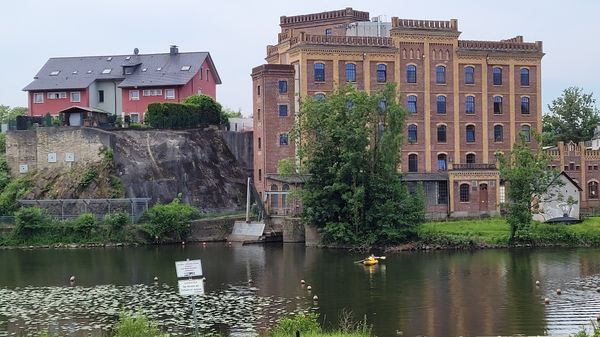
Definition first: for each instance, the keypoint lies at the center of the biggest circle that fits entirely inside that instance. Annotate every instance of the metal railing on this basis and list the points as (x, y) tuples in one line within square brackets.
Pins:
[(473, 166)]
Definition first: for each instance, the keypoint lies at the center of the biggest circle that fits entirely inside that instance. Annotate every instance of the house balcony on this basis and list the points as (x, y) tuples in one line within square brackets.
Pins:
[(472, 167)]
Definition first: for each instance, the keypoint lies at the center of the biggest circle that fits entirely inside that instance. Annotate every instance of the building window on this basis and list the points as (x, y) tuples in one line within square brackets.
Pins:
[(524, 77), (524, 105), (75, 96), (413, 163), (440, 75), (497, 104), (526, 133), (282, 87), (259, 143), (470, 134), (100, 96), (258, 114), (38, 98), (56, 95), (442, 162), (284, 188), (470, 104), (502, 194), (170, 93), (497, 75), (350, 72), (442, 193), (469, 75), (207, 72), (441, 133), (498, 133), (412, 104), (464, 192), (319, 97), (134, 117), (411, 74), (283, 139), (328, 31), (381, 73), (259, 174), (441, 104), (382, 105), (152, 92), (412, 133), (283, 110), (593, 190), (257, 88), (471, 158), (134, 95), (319, 72), (274, 197)]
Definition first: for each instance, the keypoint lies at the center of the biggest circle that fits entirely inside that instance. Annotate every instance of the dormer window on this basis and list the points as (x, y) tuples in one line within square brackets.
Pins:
[(55, 73), (128, 58), (144, 69), (127, 70), (107, 71), (159, 69), (74, 72), (89, 71), (186, 68), (109, 58)]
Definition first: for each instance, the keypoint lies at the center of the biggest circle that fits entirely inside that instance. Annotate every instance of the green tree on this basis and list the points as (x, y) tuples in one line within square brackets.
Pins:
[(7, 113), (351, 150), (206, 103), (573, 117), (231, 113), (526, 174)]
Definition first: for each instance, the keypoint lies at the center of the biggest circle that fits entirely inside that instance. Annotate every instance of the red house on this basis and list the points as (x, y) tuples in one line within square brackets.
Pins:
[(123, 84)]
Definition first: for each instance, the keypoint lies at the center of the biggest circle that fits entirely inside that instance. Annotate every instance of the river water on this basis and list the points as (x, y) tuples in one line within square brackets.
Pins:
[(440, 293)]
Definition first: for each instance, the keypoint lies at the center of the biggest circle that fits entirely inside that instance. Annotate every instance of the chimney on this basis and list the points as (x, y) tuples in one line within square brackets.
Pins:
[(173, 50)]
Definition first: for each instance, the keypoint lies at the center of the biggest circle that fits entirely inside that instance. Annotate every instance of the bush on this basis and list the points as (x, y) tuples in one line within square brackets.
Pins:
[(136, 325), (85, 225), (170, 221), (195, 112), (305, 323), (30, 221), (15, 189), (89, 176)]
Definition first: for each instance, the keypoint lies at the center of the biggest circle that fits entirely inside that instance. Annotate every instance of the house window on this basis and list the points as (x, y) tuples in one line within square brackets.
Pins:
[(258, 114), (470, 104), (170, 93), (106, 71), (134, 117), (381, 73), (441, 104), (259, 174), (464, 192), (134, 95), (498, 133), (152, 92), (497, 75), (207, 72), (413, 163), (524, 105), (100, 96), (283, 139), (593, 190), (55, 73), (283, 110), (284, 202), (442, 193), (411, 74), (497, 104), (351, 72), (442, 162), (412, 104), (258, 90), (441, 133), (470, 134), (259, 143), (471, 158), (38, 98), (328, 31), (440, 75), (75, 96), (502, 194), (274, 197), (526, 133), (319, 97), (524, 77), (57, 95), (412, 133), (469, 75), (282, 87), (319, 72)]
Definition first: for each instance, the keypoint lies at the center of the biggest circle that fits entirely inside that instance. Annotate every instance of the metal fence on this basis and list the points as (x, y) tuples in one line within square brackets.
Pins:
[(72, 208)]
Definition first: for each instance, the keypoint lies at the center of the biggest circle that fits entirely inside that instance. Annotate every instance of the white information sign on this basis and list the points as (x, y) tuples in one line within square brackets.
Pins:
[(52, 157), (189, 268), (69, 156), (191, 287), (23, 168)]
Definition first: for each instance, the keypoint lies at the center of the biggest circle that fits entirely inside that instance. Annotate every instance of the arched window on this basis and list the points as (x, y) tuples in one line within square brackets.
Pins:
[(274, 197), (471, 158), (411, 74), (440, 74), (413, 163), (319, 72), (497, 104), (351, 72), (412, 133), (412, 104), (524, 105), (381, 73), (593, 190), (441, 133), (469, 75), (526, 133), (497, 75), (284, 188), (524, 77), (498, 133), (441, 104), (470, 134), (319, 97), (442, 162), (464, 192), (470, 104)]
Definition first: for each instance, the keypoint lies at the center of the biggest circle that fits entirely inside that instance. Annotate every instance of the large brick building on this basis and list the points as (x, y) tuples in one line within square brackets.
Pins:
[(466, 99)]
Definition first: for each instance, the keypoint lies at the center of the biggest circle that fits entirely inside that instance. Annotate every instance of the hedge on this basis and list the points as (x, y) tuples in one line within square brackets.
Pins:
[(174, 115)]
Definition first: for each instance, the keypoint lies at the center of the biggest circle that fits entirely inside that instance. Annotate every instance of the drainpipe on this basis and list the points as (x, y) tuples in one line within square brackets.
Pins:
[(115, 92)]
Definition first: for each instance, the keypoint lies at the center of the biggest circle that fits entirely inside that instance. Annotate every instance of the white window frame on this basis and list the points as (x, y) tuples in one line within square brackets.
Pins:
[(152, 92), (78, 93), (56, 95), (133, 97), (167, 91), (38, 95), (137, 116)]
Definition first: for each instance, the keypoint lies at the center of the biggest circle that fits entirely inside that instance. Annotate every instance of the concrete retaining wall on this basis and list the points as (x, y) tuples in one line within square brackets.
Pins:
[(211, 229), (293, 230)]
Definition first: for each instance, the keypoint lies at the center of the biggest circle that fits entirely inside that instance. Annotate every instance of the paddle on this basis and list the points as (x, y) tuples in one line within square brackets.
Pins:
[(375, 257)]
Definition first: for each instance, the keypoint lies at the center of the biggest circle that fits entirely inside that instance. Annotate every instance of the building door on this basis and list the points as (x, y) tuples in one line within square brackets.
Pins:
[(483, 197), (75, 119)]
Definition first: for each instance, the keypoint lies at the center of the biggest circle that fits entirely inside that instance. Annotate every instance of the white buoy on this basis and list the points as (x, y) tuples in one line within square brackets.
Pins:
[(558, 291), (302, 282), (537, 283), (309, 288), (72, 279), (250, 281), (155, 278), (546, 300), (315, 298)]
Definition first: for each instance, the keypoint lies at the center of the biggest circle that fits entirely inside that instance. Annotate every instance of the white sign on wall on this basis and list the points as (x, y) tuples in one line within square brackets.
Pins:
[(23, 168), (52, 157), (69, 156), (189, 268), (191, 287)]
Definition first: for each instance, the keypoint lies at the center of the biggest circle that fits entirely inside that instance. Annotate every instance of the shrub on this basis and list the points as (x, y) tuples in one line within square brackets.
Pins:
[(85, 225), (171, 221), (195, 112), (29, 222), (116, 221), (88, 177), (303, 322), (15, 189), (136, 325)]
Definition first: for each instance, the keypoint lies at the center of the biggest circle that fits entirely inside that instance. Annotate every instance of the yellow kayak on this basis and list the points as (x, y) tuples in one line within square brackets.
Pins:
[(370, 261)]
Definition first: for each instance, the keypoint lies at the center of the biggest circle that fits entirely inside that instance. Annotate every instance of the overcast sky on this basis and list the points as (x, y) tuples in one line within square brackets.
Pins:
[(236, 34)]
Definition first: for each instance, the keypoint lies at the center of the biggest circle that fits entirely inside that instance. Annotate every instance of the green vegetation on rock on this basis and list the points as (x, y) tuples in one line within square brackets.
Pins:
[(170, 221)]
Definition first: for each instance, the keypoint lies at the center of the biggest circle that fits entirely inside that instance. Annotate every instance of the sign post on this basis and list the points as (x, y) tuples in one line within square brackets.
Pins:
[(191, 283)]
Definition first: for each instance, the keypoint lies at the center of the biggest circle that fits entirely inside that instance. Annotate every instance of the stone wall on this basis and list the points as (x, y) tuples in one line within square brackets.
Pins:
[(211, 229)]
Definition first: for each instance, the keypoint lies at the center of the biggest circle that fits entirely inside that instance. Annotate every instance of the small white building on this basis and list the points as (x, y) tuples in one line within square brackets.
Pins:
[(562, 200), (240, 124)]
